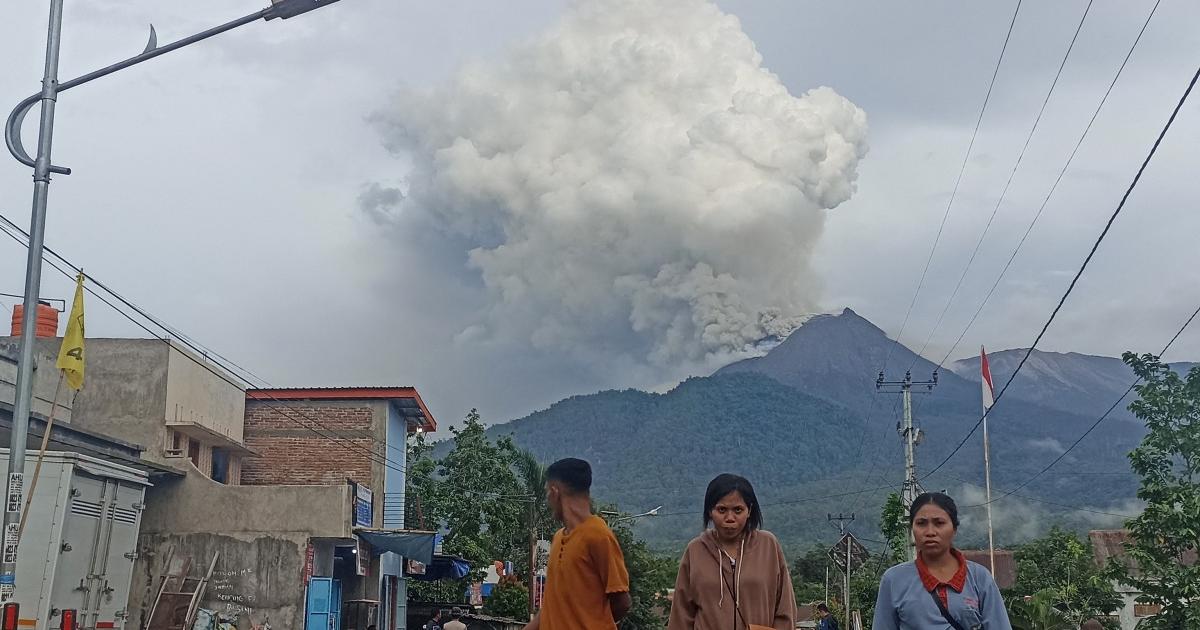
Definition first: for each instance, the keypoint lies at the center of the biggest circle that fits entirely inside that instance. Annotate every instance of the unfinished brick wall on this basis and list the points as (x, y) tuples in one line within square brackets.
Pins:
[(291, 454)]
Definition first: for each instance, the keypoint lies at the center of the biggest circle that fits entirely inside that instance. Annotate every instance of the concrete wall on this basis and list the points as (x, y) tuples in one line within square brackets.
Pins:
[(261, 534), (196, 504), (125, 392), (258, 578), (44, 381), (203, 394)]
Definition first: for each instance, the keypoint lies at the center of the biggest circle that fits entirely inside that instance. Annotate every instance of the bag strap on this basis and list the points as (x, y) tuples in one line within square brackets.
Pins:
[(945, 613)]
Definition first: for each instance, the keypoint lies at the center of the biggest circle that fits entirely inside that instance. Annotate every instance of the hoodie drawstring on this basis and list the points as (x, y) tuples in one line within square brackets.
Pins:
[(737, 574)]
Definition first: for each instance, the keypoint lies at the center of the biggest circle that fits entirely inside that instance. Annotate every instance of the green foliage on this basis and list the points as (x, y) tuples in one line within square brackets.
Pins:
[(1168, 463), (1038, 612), (474, 493), (808, 575), (508, 600), (893, 523), (1062, 568), (490, 496), (650, 577)]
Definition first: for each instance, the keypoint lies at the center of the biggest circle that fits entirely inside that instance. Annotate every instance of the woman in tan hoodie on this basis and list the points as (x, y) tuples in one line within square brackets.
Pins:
[(733, 576)]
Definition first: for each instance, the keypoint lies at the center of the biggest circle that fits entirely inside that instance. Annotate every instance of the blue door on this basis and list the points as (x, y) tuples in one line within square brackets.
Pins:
[(322, 610)]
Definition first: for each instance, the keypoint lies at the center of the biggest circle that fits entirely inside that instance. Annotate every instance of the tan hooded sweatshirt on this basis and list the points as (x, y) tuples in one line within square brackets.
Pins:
[(709, 585)]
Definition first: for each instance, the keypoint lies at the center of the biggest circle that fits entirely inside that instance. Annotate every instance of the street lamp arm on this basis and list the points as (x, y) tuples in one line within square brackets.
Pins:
[(12, 129)]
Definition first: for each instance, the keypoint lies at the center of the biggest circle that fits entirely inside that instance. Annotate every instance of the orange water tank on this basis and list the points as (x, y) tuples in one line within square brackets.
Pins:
[(47, 320)]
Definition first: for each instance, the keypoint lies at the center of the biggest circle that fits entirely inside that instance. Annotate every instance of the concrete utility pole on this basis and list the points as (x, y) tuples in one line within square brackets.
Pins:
[(911, 436), (42, 168), (842, 524)]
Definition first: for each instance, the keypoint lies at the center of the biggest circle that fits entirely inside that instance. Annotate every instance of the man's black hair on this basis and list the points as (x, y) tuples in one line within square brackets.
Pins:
[(823, 608), (575, 474)]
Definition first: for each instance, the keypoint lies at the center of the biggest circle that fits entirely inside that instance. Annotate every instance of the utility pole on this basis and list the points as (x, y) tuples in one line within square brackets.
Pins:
[(911, 436), (533, 554), (842, 524)]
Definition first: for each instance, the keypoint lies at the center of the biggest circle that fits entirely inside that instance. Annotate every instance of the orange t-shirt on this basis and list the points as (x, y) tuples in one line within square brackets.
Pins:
[(586, 566)]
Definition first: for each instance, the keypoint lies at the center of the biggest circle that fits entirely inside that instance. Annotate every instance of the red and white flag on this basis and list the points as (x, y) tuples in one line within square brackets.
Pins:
[(988, 393)]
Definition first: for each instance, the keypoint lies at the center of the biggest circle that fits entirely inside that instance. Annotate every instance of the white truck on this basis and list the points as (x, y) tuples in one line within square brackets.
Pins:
[(80, 541)]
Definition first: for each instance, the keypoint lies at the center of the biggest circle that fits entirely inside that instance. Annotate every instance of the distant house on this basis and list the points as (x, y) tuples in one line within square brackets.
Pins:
[(806, 616), (1006, 566), (1110, 544)]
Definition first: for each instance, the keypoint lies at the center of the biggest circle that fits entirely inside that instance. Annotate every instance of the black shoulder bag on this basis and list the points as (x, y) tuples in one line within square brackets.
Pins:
[(945, 613)]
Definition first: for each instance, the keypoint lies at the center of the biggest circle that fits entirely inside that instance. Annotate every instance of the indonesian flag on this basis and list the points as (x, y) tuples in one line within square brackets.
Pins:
[(988, 395)]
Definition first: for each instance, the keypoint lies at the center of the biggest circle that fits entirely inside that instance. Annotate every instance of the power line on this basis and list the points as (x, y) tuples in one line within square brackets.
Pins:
[(1040, 500), (1074, 281), (957, 182), (1054, 187), (1101, 419), (1007, 185), (274, 403), (792, 501), (344, 443)]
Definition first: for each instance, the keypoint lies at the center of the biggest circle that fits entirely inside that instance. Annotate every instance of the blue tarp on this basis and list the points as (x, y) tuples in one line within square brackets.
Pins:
[(444, 568), (410, 544)]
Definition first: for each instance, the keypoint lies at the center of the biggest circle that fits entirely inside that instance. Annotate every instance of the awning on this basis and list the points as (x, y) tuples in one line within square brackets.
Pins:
[(443, 568), (407, 543)]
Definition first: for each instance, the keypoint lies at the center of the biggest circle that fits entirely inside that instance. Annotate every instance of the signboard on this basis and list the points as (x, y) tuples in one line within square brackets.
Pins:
[(477, 594), (363, 557), (364, 513), (16, 484), (310, 553), (414, 567), (858, 553)]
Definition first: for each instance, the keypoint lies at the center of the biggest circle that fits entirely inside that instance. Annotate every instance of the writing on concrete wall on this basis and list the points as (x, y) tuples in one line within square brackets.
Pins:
[(234, 590)]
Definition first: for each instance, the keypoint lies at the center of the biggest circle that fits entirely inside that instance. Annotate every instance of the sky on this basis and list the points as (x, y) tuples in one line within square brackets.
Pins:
[(504, 204)]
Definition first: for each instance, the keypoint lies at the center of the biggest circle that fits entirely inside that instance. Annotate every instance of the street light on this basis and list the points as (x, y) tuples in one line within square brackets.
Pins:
[(14, 498), (618, 518)]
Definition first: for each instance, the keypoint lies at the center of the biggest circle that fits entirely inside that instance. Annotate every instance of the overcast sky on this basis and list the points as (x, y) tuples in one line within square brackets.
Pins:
[(279, 193)]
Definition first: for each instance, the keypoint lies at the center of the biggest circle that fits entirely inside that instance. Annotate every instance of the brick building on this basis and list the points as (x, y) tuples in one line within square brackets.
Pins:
[(326, 436)]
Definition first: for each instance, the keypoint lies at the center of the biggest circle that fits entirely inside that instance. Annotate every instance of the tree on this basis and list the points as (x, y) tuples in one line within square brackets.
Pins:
[(1062, 567), (651, 576), (1038, 612), (474, 495), (808, 575), (1168, 463), (893, 523), (508, 599)]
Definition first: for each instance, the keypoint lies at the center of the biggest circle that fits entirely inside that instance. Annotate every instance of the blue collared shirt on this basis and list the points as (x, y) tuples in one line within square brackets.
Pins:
[(905, 604)]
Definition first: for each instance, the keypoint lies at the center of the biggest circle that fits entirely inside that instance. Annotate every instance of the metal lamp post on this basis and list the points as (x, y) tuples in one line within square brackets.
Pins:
[(631, 517), (42, 168)]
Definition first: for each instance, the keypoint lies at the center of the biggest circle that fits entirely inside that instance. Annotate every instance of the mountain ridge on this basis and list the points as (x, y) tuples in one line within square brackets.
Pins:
[(805, 424)]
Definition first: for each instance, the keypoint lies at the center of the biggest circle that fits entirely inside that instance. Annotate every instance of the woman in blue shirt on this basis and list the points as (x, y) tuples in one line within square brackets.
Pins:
[(940, 590)]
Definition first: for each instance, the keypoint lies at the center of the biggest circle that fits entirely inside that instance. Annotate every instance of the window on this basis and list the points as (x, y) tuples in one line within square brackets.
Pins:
[(194, 452), (220, 465)]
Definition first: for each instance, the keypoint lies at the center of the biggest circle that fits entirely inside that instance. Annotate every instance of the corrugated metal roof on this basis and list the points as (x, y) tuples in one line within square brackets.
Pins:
[(1006, 566), (1110, 543)]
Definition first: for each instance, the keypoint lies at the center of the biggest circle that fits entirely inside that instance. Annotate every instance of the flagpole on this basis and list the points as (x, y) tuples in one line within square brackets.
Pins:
[(37, 469), (987, 474), (987, 456)]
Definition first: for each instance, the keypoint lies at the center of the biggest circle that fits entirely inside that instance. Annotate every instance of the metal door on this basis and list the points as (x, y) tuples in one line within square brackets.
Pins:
[(322, 608)]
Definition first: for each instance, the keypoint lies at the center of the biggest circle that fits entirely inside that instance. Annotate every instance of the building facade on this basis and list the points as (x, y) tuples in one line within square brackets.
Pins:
[(328, 436)]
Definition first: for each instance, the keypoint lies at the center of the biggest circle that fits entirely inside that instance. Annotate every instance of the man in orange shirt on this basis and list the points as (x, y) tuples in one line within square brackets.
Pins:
[(587, 586)]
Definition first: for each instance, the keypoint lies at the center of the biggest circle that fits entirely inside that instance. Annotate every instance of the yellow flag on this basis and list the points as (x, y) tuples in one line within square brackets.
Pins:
[(70, 355)]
